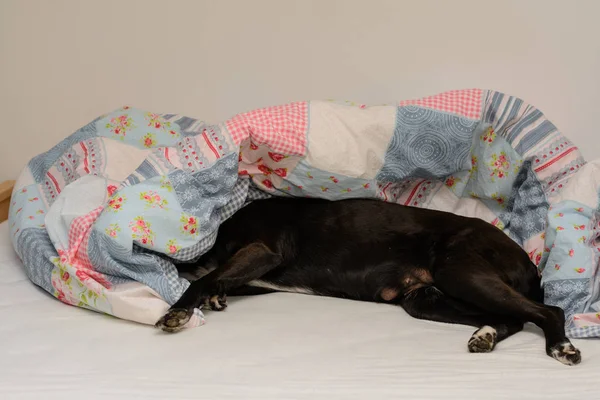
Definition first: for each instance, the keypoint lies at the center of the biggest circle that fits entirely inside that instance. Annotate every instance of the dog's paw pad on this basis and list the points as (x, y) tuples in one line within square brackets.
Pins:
[(566, 353), (483, 340), (174, 320), (217, 303)]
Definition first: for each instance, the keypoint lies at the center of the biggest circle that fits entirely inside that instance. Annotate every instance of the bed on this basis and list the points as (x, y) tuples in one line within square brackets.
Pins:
[(94, 217), (276, 346)]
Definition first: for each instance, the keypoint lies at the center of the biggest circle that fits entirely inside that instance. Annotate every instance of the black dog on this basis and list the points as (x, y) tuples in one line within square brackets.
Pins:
[(436, 265)]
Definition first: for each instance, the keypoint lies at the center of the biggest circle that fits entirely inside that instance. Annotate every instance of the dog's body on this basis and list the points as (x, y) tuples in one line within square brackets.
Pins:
[(436, 265)]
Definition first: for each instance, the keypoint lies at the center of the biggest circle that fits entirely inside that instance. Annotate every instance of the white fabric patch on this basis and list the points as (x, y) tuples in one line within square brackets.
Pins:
[(347, 141), (583, 186), (124, 159), (76, 199), (446, 200)]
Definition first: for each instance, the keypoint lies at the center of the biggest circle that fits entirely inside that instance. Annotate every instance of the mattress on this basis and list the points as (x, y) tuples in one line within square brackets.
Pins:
[(276, 346)]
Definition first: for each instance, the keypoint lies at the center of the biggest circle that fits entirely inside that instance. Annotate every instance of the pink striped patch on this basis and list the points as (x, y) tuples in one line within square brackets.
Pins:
[(210, 145), (85, 158), (281, 128), (555, 159), (413, 192), (466, 103), (385, 198), (53, 179)]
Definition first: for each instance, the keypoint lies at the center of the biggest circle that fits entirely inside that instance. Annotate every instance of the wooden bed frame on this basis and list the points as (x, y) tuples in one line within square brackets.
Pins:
[(6, 189)]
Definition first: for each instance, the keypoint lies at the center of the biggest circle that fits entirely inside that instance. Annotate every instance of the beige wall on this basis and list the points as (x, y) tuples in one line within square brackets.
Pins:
[(65, 62)]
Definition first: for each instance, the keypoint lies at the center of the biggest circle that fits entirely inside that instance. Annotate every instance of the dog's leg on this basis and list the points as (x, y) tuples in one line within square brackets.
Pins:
[(249, 263), (430, 304), (489, 293)]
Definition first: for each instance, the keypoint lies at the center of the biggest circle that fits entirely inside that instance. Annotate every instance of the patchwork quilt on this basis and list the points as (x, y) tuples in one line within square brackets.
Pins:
[(99, 218)]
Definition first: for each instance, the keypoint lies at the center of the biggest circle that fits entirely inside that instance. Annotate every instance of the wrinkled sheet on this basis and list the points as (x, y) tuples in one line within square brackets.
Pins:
[(277, 346)]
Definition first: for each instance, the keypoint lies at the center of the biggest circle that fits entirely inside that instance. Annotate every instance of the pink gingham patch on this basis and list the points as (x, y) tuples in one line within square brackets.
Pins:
[(466, 103), (281, 128), (79, 235)]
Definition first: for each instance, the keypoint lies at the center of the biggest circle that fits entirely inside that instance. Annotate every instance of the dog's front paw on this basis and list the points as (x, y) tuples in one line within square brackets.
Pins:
[(174, 320), (566, 353), (483, 340)]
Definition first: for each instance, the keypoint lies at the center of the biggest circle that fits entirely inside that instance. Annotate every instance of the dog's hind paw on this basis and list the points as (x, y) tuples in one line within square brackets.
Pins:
[(174, 320), (483, 340), (566, 353), (216, 303)]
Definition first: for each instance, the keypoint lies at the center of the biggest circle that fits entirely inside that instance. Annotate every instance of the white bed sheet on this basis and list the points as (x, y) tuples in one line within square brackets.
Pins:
[(278, 346)]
